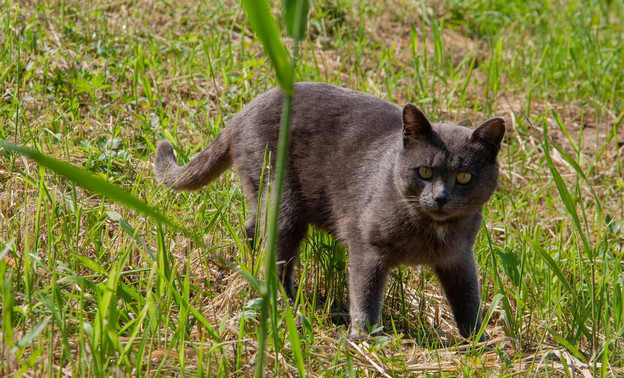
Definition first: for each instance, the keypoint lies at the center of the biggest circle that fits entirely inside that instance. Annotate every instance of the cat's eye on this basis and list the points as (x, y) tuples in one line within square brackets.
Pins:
[(464, 177), (425, 173)]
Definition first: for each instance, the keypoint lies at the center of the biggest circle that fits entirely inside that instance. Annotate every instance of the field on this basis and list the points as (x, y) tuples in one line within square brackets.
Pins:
[(90, 286)]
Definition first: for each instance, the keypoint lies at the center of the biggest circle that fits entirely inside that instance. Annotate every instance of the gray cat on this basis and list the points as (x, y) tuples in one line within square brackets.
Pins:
[(393, 187)]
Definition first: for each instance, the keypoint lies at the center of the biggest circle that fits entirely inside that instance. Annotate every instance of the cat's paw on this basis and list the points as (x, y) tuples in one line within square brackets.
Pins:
[(357, 335), (360, 334)]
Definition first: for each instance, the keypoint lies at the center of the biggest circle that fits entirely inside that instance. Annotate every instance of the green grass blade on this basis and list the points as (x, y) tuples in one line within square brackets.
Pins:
[(565, 343), (486, 319), (570, 160), (79, 281), (7, 247), (8, 301), (88, 181), (295, 345), (89, 263), (551, 263), (262, 22), (295, 14), (564, 130), (564, 193), (128, 229), (30, 336)]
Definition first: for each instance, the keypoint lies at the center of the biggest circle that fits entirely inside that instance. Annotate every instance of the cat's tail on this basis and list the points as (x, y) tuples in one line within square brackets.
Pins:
[(204, 168)]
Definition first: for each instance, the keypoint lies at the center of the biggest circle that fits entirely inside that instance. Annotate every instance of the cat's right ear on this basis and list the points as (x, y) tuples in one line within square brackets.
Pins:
[(490, 134), (415, 124)]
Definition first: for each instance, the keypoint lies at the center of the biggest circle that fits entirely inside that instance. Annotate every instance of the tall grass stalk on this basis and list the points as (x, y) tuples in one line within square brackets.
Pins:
[(295, 14)]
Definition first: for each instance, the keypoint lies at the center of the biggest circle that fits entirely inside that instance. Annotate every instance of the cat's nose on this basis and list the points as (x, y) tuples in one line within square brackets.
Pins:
[(441, 200), (440, 194)]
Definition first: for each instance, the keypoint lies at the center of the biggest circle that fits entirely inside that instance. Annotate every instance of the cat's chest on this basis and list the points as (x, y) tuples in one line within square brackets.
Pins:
[(443, 233), (416, 242), (430, 244)]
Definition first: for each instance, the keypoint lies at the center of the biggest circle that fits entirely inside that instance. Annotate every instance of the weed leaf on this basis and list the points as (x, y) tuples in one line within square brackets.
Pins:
[(30, 336)]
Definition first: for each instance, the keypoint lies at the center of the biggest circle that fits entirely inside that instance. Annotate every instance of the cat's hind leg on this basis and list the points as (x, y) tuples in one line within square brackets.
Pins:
[(291, 230), (253, 230), (250, 231), (290, 233)]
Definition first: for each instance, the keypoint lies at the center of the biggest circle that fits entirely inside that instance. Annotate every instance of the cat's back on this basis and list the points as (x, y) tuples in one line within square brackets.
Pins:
[(325, 101), (317, 108), (329, 124)]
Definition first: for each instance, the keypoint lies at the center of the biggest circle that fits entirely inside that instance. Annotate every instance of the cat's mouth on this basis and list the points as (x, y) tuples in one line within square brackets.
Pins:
[(436, 213), (439, 214)]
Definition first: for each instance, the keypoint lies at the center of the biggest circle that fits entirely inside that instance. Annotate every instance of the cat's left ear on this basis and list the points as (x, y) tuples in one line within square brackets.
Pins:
[(415, 124), (490, 134)]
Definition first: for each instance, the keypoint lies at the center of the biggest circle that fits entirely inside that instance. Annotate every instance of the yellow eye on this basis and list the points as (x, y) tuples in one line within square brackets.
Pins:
[(425, 173), (464, 177)]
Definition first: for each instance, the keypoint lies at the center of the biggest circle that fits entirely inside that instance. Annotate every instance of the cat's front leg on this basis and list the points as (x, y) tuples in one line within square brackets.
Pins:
[(460, 283), (368, 272)]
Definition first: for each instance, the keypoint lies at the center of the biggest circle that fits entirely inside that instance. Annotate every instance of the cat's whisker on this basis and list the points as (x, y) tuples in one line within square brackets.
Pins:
[(412, 200)]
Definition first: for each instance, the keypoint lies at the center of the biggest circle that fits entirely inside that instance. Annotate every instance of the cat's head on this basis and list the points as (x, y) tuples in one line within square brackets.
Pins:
[(447, 171)]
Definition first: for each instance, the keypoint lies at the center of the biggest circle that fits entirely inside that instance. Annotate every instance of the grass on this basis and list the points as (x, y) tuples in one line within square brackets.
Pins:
[(93, 287)]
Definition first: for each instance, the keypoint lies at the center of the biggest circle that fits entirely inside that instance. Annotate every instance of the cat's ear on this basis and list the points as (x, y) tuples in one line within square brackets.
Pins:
[(490, 134), (415, 124)]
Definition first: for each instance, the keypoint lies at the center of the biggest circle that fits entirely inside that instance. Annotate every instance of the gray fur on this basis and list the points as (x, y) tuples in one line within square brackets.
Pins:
[(353, 171)]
